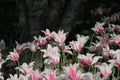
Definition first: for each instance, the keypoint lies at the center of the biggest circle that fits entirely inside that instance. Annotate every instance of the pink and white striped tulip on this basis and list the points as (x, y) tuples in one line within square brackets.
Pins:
[(79, 44), (50, 51), (49, 35), (88, 59), (49, 74), (106, 69), (60, 37), (71, 71), (35, 75), (32, 46), (26, 68), (14, 56), (98, 29), (41, 41), (13, 77), (20, 47), (76, 45), (117, 39)]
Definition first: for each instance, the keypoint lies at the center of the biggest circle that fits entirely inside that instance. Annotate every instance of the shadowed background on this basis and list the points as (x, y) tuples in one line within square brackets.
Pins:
[(22, 19)]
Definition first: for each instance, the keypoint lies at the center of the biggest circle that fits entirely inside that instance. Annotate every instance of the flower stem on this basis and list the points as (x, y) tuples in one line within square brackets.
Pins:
[(63, 56), (58, 69), (118, 74), (91, 39), (18, 71), (41, 60), (32, 57), (113, 72), (89, 68)]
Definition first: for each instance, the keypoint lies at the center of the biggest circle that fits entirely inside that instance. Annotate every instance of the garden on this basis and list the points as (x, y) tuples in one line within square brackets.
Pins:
[(91, 55)]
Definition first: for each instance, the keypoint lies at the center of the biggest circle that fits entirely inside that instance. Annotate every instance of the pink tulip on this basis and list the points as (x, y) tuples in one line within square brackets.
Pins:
[(13, 77), (40, 40), (52, 53), (105, 69), (117, 39), (60, 37), (104, 40), (66, 49), (20, 47), (55, 59), (49, 74), (14, 56), (26, 68), (78, 76), (79, 44), (106, 51), (32, 46), (98, 28), (49, 35), (76, 45), (88, 59), (117, 28), (36, 75), (71, 71), (115, 63), (116, 60)]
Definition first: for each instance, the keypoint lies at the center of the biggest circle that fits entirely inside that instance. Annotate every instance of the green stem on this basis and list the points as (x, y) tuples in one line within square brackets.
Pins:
[(41, 59), (18, 71), (89, 69), (63, 56), (91, 40), (58, 69), (94, 71), (32, 57), (113, 72), (118, 74)]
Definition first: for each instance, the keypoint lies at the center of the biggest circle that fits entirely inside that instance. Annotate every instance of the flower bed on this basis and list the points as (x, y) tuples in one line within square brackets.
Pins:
[(94, 57)]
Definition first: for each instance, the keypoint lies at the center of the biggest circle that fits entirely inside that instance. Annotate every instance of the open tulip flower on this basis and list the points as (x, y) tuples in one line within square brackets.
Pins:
[(49, 35), (49, 74), (88, 59), (14, 56), (79, 44), (72, 72), (117, 39), (32, 46), (106, 69), (20, 47), (60, 37), (52, 53), (13, 77), (99, 29), (116, 63), (41, 41), (35, 75), (25, 68)]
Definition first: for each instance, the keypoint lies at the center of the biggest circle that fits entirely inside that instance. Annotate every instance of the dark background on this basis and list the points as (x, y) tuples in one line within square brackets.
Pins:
[(22, 19)]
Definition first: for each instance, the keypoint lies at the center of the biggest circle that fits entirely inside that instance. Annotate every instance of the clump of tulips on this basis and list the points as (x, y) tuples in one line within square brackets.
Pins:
[(95, 57)]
